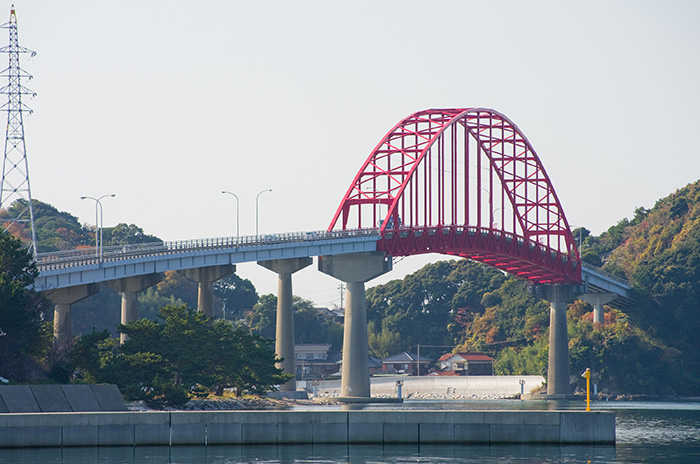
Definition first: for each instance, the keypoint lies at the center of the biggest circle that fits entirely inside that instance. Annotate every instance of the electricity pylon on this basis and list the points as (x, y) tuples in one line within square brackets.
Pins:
[(15, 191)]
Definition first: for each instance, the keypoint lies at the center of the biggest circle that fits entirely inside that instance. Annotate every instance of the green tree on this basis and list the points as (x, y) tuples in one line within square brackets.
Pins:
[(308, 328), (163, 362), (237, 294), (126, 234), (25, 338), (261, 319), (421, 308), (383, 342)]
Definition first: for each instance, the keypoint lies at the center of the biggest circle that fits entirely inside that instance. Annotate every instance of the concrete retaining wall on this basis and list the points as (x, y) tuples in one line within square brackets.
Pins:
[(60, 398), (301, 427), (440, 387)]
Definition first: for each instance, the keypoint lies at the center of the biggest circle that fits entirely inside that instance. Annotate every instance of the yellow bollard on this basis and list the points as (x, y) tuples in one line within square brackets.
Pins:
[(587, 375)]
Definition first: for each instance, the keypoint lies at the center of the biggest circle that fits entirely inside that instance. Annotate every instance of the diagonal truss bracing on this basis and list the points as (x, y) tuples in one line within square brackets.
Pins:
[(441, 175)]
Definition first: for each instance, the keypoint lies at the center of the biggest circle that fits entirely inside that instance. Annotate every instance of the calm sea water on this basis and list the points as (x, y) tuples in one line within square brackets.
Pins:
[(646, 433)]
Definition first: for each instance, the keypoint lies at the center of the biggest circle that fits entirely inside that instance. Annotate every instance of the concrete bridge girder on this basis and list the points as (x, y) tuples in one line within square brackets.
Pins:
[(204, 276), (284, 328), (355, 269)]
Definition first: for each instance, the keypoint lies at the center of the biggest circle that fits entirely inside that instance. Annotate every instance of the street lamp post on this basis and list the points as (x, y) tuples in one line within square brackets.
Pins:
[(238, 223), (256, 211), (98, 233)]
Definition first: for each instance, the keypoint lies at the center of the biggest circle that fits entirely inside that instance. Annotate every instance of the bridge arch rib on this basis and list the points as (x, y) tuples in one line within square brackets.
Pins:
[(463, 182)]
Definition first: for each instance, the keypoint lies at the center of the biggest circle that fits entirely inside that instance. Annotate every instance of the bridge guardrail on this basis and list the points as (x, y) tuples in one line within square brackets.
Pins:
[(606, 274), (89, 255)]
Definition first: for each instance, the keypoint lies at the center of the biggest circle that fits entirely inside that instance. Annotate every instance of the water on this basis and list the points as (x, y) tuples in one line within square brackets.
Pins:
[(667, 433)]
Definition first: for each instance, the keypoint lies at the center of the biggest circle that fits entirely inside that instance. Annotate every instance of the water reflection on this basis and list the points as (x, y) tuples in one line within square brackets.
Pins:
[(327, 454)]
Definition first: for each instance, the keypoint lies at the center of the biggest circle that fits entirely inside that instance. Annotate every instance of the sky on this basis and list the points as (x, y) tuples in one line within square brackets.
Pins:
[(167, 103)]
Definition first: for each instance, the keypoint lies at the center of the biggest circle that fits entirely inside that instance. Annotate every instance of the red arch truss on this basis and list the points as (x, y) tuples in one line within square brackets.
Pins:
[(463, 182)]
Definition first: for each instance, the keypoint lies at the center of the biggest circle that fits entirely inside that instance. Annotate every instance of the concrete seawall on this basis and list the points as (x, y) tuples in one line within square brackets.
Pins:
[(304, 427), (437, 387)]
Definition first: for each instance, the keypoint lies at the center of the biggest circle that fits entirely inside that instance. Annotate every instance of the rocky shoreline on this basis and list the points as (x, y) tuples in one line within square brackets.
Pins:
[(261, 403), (230, 404)]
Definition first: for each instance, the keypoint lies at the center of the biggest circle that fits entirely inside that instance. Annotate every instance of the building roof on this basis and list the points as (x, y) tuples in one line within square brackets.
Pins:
[(405, 357), (467, 357)]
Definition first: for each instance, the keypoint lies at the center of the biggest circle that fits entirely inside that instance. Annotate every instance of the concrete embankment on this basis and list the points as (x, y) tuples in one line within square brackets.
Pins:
[(304, 427), (441, 387)]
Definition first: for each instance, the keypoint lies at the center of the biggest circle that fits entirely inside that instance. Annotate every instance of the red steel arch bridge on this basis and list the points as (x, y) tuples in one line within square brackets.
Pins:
[(463, 182)]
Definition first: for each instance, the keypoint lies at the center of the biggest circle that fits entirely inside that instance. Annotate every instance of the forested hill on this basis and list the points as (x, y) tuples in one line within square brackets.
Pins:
[(58, 230), (660, 255)]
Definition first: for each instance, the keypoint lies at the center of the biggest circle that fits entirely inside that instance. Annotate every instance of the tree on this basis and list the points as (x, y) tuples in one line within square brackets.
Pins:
[(308, 328), (382, 343), (25, 338), (126, 234), (55, 230), (261, 319), (421, 307), (237, 294), (163, 363)]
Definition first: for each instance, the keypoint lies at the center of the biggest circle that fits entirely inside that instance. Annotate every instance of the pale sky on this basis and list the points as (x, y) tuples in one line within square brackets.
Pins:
[(167, 103)]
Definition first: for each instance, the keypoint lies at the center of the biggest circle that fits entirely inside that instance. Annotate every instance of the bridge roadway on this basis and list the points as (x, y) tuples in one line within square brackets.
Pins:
[(86, 266), (351, 256)]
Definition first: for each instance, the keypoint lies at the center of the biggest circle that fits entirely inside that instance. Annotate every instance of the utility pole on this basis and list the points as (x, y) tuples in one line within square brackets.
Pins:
[(341, 287), (15, 169)]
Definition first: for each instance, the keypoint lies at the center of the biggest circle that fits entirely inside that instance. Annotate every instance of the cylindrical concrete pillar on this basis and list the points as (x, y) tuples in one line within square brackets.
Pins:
[(355, 269), (129, 288), (598, 313), (62, 327), (205, 299), (598, 300), (205, 277), (558, 370), (355, 372), (62, 299), (130, 311), (284, 330)]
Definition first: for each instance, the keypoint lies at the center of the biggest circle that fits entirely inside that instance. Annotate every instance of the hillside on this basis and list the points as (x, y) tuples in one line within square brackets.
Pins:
[(660, 255)]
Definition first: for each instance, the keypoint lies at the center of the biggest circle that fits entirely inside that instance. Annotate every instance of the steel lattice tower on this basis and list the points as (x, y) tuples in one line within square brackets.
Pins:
[(15, 169)]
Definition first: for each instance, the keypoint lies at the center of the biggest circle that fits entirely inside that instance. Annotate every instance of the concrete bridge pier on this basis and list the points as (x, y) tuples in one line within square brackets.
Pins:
[(558, 371), (284, 329), (598, 300), (355, 269), (205, 276), (129, 288), (63, 298)]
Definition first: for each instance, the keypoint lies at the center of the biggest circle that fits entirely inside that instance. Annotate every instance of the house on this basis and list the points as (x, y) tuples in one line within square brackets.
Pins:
[(405, 362), (375, 365), (326, 315), (315, 361), (466, 364)]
